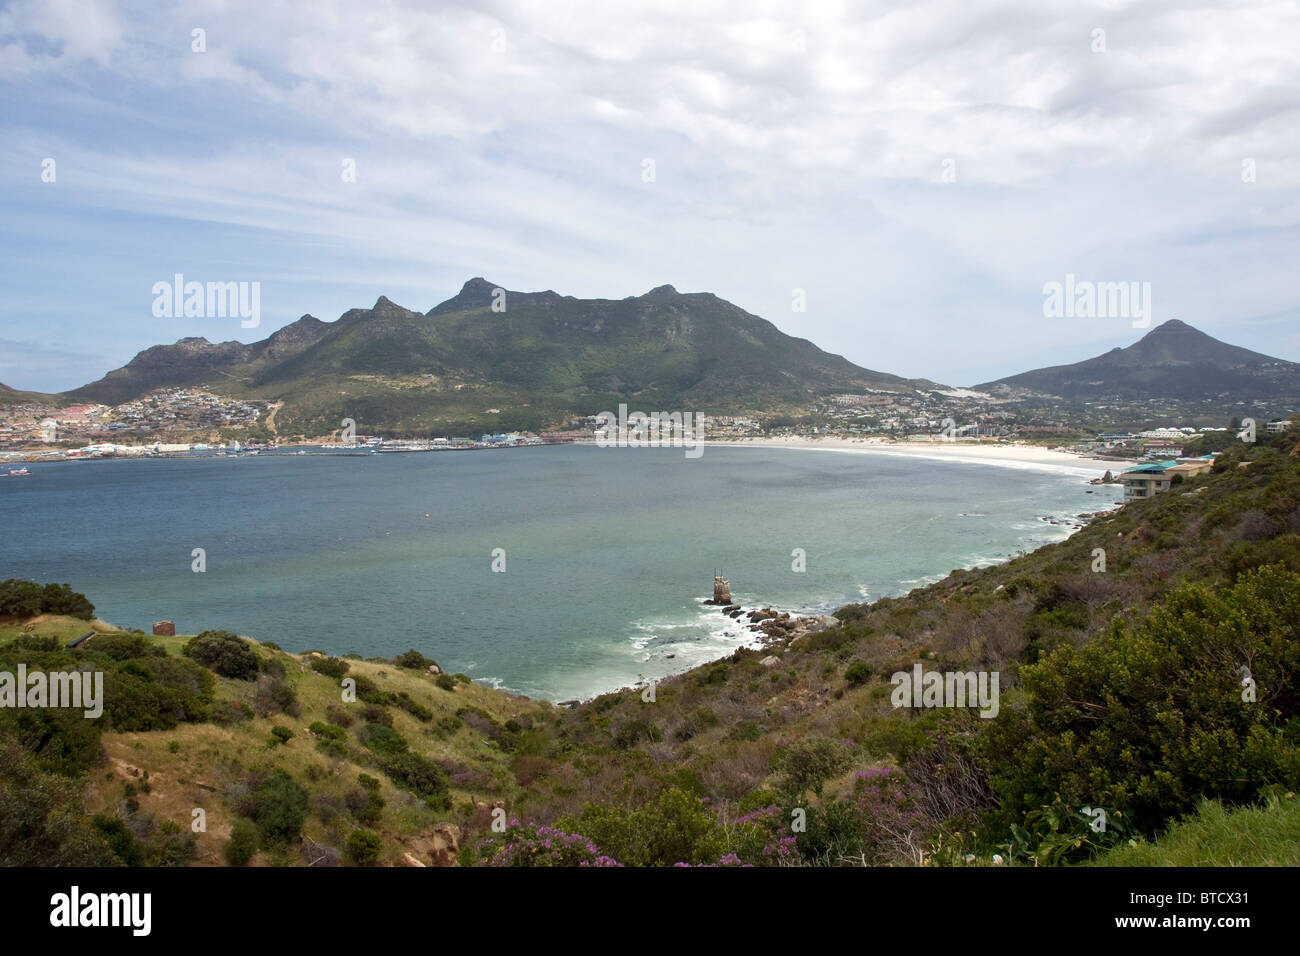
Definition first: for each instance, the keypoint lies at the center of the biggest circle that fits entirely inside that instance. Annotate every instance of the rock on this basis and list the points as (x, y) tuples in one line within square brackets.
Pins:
[(435, 670), (410, 860), (770, 661)]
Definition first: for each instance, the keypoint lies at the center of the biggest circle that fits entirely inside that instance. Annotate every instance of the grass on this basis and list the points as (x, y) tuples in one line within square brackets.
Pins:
[(195, 765), (1267, 835)]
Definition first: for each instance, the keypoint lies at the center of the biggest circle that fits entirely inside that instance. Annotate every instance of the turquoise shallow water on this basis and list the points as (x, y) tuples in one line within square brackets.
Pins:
[(608, 551)]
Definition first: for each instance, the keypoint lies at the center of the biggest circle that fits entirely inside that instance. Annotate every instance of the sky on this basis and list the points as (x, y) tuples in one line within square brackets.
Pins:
[(897, 182)]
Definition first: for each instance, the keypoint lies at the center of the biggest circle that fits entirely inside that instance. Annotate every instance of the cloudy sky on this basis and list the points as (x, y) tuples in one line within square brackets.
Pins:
[(919, 169)]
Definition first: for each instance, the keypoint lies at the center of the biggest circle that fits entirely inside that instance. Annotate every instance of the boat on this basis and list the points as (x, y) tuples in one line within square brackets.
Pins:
[(18, 472)]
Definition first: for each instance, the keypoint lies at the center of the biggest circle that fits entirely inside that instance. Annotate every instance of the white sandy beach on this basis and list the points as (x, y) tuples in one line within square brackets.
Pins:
[(1008, 454)]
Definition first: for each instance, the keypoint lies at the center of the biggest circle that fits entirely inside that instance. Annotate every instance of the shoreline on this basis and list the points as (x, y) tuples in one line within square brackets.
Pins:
[(1018, 455), (1060, 463)]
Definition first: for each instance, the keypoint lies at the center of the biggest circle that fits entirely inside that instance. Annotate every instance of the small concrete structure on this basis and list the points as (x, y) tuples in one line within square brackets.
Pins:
[(165, 628)]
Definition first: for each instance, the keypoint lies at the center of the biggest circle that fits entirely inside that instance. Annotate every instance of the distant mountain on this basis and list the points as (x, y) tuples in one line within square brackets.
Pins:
[(195, 360), (488, 357), (1172, 361), (12, 396)]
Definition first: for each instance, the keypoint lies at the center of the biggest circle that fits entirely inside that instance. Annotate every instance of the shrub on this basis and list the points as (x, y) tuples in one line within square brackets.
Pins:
[(279, 807), (420, 775), (27, 599), (281, 734), (418, 711), (327, 731), (330, 667), (676, 828), (414, 660), (242, 843), (446, 682), (858, 673), (366, 805), (809, 762), (382, 739), (363, 847), (119, 839), (223, 653), (42, 817), (61, 599), (1153, 716)]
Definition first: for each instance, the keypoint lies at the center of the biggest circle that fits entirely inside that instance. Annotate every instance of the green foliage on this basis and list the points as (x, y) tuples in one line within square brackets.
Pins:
[(420, 775), (414, 660), (1264, 835), (42, 822), (1055, 834), (858, 673), (363, 847), (119, 839), (330, 667), (279, 806), (223, 653), (326, 731), (1153, 716), (810, 761), (676, 828), (446, 682), (281, 734), (243, 842), (383, 739), (23, 599), (416, 710)]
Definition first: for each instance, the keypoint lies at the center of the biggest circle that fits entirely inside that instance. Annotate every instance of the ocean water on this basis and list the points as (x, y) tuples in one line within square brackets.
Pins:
[(609, 552)]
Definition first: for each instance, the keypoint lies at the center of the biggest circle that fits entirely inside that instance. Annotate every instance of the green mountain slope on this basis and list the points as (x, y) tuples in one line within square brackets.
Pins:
[(541, 358)]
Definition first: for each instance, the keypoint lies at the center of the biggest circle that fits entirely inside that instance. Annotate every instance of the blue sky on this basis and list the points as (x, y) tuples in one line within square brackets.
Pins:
[(793, 149)]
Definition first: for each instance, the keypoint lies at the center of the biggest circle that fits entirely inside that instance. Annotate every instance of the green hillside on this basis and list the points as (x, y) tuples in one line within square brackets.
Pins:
[(541, 359)]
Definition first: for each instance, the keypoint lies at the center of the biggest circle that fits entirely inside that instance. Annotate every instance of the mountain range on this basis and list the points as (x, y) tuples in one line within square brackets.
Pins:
[(489, 358), (534, 359)]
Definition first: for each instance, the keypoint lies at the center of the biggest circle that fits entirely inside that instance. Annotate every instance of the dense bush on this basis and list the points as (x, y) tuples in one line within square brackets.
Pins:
[(418, 774), (676, 828), (809, 762), (42, 821), (413, 659), (363, 847), (1152, 717), (278, 806), (224, 653), (330, 667), (858, 673), (242, 843), (27, 599)]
